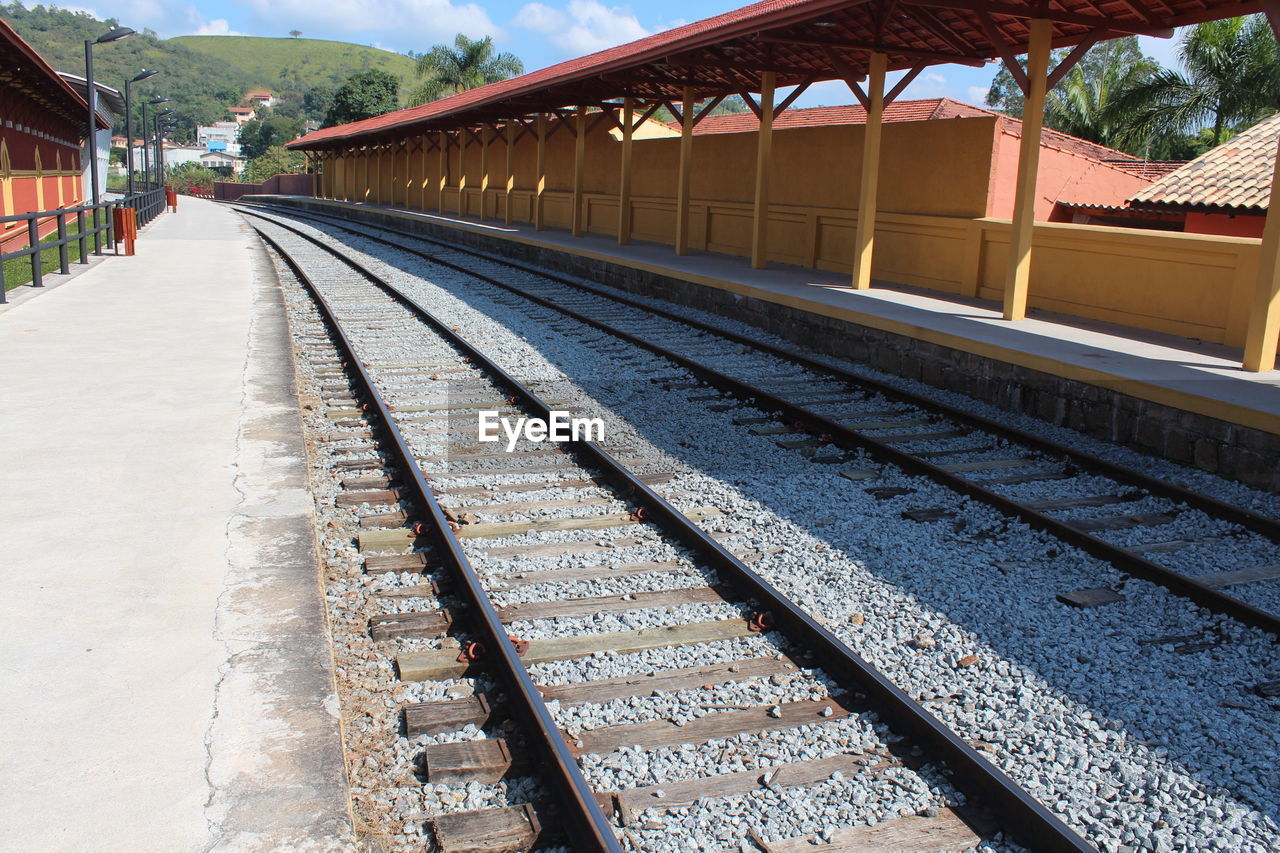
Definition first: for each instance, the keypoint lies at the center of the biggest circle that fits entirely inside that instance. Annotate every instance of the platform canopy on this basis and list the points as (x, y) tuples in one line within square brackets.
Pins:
[(800, 41)]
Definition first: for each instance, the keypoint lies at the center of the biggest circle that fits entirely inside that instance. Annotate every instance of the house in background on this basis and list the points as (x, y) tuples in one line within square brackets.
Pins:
[(223, 135), (222, 161), (41, 138), (262, 99), (1223, 191), (242, 115)]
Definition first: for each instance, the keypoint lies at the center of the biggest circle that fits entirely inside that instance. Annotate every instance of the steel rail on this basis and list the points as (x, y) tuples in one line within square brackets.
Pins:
[(1247, 518), (1022, 815), (1122, 559), (584, 821)]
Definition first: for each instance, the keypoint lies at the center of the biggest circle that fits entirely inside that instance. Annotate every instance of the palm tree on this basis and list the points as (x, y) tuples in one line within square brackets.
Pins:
[(1232, 80), (469, 64), (1081, 103)]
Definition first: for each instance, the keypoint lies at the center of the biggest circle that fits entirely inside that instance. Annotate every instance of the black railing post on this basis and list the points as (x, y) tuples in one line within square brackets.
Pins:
[(33, 238), (84, 242), (64, 265)]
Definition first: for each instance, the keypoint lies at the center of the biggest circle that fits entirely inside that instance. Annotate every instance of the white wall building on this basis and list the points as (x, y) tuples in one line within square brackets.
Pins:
[(221, 135)]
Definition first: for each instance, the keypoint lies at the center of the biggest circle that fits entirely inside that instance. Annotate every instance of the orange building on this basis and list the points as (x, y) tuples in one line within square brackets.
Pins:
[(42, 129)]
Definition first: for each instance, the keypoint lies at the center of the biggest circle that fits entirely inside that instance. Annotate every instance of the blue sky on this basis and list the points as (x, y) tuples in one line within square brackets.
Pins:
[(540, 33)]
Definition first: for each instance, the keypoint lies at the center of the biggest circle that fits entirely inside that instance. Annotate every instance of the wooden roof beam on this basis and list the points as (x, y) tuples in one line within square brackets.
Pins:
[(910, 53), (1042, 12)]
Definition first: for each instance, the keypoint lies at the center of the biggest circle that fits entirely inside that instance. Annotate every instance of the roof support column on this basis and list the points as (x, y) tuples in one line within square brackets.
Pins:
[(426, 182), (685, 176), (540, 185), (865, 240), (624, 181), (485, 134), (1018, 274), (462, 173), (579, 166), (1264, 312), (764, 158), (368, 170), (377, 177), (442, 180), (508, 196)]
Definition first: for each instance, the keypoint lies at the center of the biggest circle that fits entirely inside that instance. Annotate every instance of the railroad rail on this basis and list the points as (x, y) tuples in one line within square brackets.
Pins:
[(357, 305), (931, 427)]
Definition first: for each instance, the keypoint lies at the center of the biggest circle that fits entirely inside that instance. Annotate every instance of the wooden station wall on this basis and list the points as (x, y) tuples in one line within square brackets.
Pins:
[(939, 183), (36, 173)]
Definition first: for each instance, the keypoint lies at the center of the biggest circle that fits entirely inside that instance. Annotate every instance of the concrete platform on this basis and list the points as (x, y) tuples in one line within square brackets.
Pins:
[(167, 682), (1042, 365)]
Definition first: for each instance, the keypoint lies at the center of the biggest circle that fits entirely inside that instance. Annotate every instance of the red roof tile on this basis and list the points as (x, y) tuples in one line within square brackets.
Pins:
[(1234, 176)]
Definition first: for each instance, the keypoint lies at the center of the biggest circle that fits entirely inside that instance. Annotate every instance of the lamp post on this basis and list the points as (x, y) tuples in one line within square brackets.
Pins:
[(160, 146), (91, 95), (146, 137), (128, 122)]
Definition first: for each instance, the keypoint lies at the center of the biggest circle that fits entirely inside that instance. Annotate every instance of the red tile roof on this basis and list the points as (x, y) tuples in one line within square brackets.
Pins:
[(932, 108), (727, 52), (923, 110), (1234, 176)]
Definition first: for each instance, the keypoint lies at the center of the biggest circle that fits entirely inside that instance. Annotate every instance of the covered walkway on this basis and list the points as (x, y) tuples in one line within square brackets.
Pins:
[(167, 681)]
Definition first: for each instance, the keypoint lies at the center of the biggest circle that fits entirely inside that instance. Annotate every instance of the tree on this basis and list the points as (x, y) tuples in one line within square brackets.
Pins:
[(1232, 81), (276, 160), (188, 177), (364, 95), (258, 135), (295, 33), (469, 64), (1083, 102)]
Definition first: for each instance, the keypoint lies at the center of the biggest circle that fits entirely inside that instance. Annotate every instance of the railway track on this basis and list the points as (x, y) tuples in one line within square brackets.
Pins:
[(713, 691), (1141, 525)]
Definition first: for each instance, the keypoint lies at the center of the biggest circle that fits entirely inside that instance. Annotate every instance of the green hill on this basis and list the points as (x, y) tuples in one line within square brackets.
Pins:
[(203, 75), (296, 64)]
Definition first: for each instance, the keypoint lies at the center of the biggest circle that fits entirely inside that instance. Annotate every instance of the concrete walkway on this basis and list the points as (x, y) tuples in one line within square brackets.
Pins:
[(166, 682)]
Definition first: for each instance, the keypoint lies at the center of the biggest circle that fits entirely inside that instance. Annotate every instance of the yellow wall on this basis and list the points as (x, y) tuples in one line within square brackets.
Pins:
[(931, 231)]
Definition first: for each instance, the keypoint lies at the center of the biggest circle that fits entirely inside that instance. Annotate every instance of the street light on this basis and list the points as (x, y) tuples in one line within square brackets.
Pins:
[(146, 137), (160, 146), (91, 95), (128, 121)]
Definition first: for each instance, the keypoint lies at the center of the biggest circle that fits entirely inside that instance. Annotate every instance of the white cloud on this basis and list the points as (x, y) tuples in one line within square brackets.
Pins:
[(977, 94), (583, 26), (216, 27), (417, 24)]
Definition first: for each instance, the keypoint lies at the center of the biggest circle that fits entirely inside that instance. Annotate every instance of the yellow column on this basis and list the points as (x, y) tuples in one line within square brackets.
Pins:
[(367, 159), (764, 157), (377, 178), (579, 165), (462, 173), (1264, 312), (57, 159), (511, 172), (443, 180), (865, 240), (1018, 274), (426, 182), (40, 183), (484, 172), (540, 186), (624, 183), (684, 179)]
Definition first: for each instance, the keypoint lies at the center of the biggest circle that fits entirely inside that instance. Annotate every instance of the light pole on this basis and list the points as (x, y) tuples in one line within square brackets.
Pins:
[(91, 95), (160, 146), (146, 137), (128, 122)]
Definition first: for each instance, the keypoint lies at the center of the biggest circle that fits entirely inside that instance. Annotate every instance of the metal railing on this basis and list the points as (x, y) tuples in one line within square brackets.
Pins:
[(35, 249), (146, 205)]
